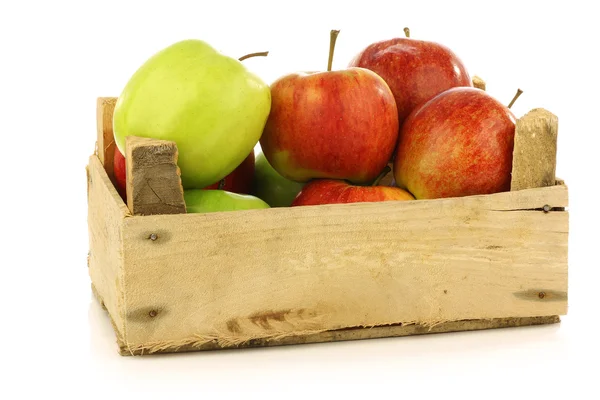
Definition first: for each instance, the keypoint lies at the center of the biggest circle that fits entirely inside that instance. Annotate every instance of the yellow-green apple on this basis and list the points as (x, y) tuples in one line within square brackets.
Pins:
[(240, 180), (336, 191), (273, 188), (459, 143), (205, 201), (334, 124), (415, 70), (209, 104)]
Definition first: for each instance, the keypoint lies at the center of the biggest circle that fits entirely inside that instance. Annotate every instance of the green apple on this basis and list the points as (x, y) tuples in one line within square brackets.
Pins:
[(270, 186), (209, 104), (205, 201)]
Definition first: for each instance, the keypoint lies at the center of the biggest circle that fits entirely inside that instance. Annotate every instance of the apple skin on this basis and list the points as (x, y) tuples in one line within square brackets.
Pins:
[(205, 201), (273, 188), (240, 180), (335, 124), (415, 70), (334, 191), (460, 143), (209, 104), (120, 173)]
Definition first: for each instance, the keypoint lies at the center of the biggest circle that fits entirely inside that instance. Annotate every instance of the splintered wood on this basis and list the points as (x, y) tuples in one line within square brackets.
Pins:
[(534, 155), (153, 177), (478, 82), (105, 106)]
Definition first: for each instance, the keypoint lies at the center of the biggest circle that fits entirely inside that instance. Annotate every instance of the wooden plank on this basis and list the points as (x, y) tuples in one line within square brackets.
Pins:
[(153, 177), (376, 332), (534, 155), (233, 277), (106, 212), (478, 82), (105, 106)]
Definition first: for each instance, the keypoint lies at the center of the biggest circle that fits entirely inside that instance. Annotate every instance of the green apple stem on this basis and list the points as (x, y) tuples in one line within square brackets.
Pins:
[(332, 38), (519, 92), (385, 171), (259, 54), (407, 32)]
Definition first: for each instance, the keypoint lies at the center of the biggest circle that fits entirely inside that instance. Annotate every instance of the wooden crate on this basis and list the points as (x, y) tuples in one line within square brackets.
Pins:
[(188, 282)]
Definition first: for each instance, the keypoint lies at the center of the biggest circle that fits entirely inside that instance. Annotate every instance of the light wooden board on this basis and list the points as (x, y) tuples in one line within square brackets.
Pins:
[(106, 211), (153, 177), (534, 155), (105, 106), (270, 274)]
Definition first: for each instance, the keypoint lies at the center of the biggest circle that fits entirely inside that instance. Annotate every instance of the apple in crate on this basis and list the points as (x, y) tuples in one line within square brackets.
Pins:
[(334, 191), (205, 201), (120, 171), (240, 180), (209, 104), (273, 188), (415, 70), (459, 143), (333, 124)]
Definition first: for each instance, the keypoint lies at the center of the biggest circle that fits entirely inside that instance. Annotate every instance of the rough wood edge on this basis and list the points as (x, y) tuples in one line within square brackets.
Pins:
[(347, 334), (105, 141)]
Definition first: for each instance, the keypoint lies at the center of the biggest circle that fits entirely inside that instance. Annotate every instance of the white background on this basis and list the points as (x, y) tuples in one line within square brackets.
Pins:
[(57, 57)]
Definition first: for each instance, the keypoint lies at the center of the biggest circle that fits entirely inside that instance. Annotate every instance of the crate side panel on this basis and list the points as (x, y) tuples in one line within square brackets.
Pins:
[(106, 212), (234, 277)]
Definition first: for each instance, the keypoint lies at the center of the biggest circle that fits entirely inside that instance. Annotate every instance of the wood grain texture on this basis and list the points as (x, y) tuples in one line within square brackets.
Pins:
[(233, 277), (478, 82), (106, 212), (360, 334), (105, 107), (153, 177), (534, 155)]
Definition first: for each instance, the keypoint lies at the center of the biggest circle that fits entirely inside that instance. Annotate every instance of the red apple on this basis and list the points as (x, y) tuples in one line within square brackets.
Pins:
[(120, 173), (334, 124), (460, 143), (240, 180), (333, 191), (415, 70)]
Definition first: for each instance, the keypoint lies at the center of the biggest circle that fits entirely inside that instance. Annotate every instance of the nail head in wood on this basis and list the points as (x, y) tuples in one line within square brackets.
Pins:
[(541, 295), (152, 313), (547, 208), (153, 237)]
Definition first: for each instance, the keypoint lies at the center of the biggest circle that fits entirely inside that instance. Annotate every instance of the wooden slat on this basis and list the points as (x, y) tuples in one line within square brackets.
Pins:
[(266, 274), (478, 82), (105, 141), (534, 156), (106, 211), (153, 177)]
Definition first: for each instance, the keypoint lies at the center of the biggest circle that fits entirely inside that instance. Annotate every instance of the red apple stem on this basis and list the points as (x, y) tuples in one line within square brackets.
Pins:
[(407, 32), (332, 38), (221, 184), (382, 175), (519, 92), (259, 54)]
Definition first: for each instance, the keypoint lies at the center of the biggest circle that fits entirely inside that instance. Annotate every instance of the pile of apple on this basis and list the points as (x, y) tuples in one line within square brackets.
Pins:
[(326, 137)]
